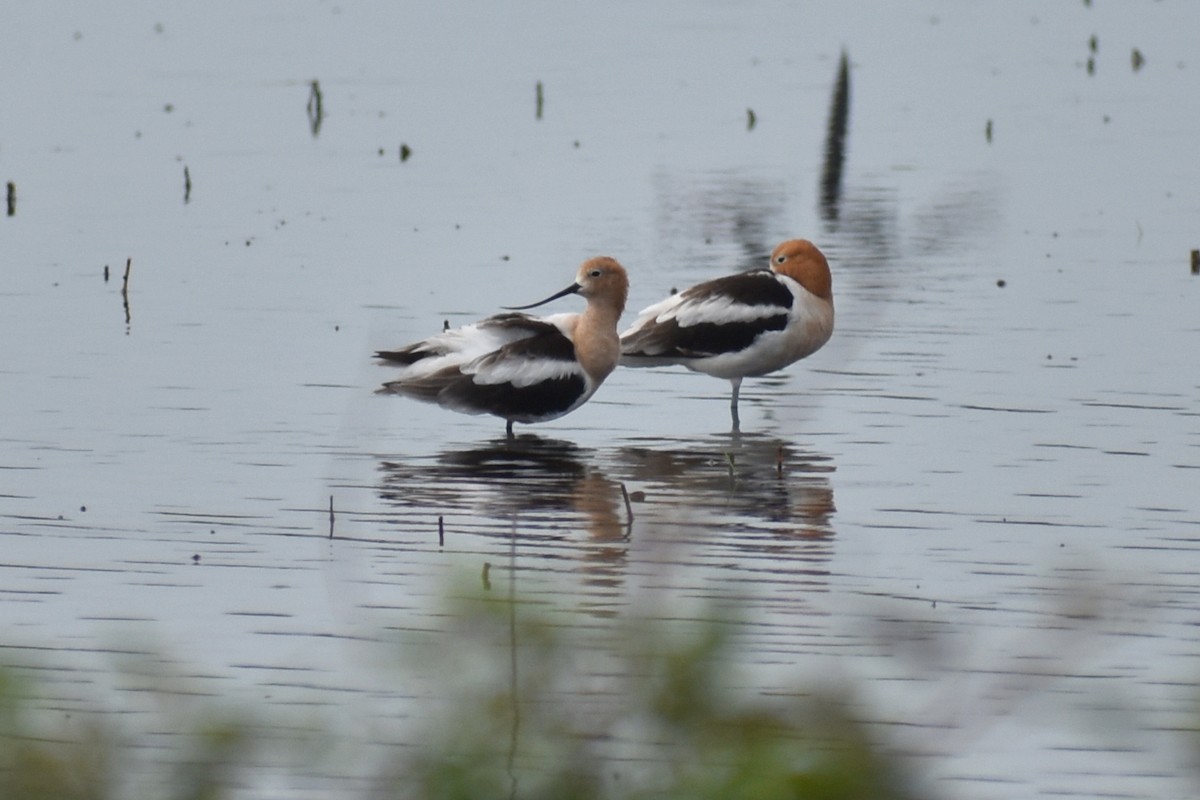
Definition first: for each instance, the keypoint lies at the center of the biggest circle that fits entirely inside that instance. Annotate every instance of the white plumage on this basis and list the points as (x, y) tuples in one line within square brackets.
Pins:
[(516, 366), (744, 325)]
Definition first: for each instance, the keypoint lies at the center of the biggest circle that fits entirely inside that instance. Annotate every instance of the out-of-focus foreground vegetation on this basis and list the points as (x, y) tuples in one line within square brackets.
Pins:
[(522, 722)]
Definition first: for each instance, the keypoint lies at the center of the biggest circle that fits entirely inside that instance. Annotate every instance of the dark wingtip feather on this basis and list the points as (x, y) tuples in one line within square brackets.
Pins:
[(408, 356)]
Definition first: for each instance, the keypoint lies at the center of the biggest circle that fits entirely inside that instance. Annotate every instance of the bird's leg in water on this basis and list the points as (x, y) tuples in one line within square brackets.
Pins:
[(733, 403)]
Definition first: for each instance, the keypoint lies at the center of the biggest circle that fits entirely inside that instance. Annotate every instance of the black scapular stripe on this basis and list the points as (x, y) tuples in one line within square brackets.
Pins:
[(758, 288), (548, 343), (543, 340), (711, 339)]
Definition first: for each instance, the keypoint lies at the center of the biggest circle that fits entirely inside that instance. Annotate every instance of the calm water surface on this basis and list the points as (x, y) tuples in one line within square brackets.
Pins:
[(977, 505)]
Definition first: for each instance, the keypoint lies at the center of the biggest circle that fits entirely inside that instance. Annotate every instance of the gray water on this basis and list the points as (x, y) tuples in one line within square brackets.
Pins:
[(977, 504)]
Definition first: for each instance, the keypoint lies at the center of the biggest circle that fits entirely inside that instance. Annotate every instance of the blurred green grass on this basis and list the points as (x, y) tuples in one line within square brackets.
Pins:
[(666, 725)]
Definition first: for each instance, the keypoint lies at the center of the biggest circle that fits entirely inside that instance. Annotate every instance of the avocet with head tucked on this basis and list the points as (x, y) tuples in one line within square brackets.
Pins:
[(516, 366), (740, 326)]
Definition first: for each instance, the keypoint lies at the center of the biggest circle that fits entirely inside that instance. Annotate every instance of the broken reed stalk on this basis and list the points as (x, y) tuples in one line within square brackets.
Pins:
[(541, 99), (628, 505), (441, 531), (330, 516), (315, 107), (835, 141), (187, 184), (1196, 262), (12, 199), (125, 288)]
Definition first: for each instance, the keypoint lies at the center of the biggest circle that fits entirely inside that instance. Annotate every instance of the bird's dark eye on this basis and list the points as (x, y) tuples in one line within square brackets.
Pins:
[(780, 259), (595, 273)]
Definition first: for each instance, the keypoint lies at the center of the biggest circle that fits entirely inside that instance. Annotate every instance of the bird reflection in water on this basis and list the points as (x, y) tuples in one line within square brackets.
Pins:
[(752, 494), (539, 491)]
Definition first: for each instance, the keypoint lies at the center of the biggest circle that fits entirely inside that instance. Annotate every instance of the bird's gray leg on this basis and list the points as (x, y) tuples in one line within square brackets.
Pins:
[(733, 403)]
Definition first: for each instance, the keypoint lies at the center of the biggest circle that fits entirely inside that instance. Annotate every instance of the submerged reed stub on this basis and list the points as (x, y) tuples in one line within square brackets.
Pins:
[(837, 131), (1196, 262), (315, 108), (125, 290)]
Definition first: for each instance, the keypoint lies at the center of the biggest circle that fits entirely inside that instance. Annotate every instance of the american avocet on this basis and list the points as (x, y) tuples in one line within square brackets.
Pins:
[(516, 366), (740, 326)]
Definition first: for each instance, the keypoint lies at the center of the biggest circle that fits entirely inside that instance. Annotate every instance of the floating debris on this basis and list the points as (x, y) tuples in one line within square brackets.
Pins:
[(1093, 43), (835, 141), (1137, 59), (1091, 66), (1001, 283), (405, 152), (187, 185), (12, 199), (1196, 262), (315, 108), (751, 120), (987, 131), (106, 273), (541, 99)]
